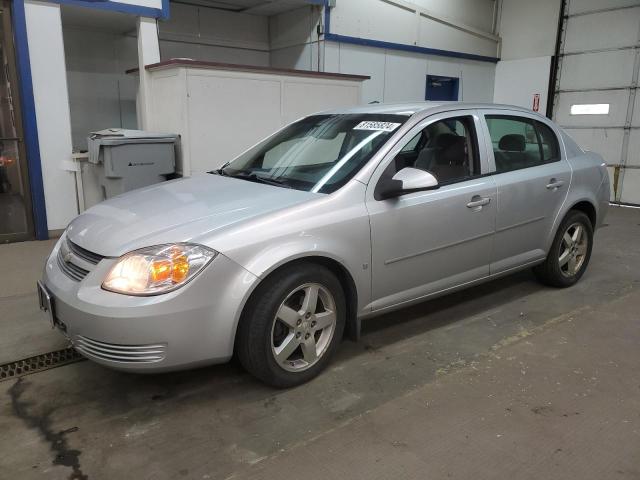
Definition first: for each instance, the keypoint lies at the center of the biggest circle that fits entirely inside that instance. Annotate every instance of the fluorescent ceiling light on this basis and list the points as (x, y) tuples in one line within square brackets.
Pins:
[(590, 109)]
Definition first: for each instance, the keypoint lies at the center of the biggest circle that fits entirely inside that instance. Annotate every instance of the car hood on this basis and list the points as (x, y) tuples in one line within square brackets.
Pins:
[(185, 210)]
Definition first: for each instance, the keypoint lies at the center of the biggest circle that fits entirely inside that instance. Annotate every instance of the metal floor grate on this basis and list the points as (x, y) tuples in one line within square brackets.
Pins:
[(38, 363)]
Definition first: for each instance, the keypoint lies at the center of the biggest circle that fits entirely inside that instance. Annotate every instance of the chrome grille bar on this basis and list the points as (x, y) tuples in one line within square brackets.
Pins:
[(70, 269), (120, 353), (84, 253)]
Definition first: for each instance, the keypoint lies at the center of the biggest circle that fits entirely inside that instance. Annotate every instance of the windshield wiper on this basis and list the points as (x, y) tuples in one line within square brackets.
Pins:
[(254, 177), (220, 171)]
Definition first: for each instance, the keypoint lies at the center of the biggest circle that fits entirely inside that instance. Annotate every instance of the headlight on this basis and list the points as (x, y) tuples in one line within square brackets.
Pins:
[(158, 269)]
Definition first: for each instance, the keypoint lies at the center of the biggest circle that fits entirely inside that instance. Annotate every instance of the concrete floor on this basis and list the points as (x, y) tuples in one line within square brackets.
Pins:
[(506, 380), (23, 332)]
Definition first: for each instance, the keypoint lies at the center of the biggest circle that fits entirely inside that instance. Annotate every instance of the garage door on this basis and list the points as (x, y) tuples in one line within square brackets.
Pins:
[(596, 98)]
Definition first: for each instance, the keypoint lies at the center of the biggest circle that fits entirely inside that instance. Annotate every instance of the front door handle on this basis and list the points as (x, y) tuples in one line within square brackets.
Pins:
[(553, 183), (478, 202)]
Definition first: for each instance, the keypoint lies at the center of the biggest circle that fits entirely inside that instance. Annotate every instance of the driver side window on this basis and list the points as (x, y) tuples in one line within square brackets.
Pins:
[(446, 148)]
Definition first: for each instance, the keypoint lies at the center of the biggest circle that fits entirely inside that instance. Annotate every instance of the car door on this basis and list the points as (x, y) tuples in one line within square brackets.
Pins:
[(430, 241), (532, 176)]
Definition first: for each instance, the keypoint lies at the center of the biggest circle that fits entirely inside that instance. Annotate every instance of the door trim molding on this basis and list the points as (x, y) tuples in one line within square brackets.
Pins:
[(520, 224), (435, 249)]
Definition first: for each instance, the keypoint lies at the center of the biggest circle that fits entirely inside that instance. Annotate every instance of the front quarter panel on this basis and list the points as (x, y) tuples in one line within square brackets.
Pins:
[(196, 322), (334, 226)]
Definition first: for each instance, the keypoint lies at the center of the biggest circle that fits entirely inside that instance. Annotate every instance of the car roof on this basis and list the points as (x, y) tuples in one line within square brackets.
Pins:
[(411, 108)]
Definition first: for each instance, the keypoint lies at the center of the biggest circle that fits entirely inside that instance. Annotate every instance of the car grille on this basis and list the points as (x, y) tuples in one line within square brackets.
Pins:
[(69, 252), (112, 352), (71, 269), (83, 253)]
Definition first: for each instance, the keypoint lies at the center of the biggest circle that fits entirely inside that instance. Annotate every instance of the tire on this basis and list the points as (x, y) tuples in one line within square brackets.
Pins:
[(563, 272), (280, 330)]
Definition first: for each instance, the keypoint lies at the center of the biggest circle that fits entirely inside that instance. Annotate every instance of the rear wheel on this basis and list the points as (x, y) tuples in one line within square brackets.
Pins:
[(570, 252), (292, 325)]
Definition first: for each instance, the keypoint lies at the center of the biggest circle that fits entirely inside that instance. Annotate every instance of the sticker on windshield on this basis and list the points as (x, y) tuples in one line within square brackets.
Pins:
[(377, 126)]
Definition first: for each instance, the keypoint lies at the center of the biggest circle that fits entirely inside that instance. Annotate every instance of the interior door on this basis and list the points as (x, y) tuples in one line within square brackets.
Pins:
[(532, 177), (430, 241)]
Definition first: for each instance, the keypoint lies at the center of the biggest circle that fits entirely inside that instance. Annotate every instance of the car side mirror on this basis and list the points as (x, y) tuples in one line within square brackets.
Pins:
[(407, 180)]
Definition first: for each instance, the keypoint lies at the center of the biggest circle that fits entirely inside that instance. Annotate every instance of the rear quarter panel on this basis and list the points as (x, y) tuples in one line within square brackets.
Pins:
[(589, 183)]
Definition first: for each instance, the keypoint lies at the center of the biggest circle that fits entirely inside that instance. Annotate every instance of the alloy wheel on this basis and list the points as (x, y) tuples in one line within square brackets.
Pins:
[(573, 250), (303, 327)]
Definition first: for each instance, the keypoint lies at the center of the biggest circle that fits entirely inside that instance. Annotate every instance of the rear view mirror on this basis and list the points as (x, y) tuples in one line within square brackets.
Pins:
[(407, 180)]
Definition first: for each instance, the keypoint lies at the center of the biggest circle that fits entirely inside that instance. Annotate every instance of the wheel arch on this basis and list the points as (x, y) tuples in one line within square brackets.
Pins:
[(352, 327), (588, 208), (584, 205)]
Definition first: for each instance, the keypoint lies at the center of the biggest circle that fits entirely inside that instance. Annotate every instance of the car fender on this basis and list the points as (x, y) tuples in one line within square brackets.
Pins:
[(315, 245), (331, 228)]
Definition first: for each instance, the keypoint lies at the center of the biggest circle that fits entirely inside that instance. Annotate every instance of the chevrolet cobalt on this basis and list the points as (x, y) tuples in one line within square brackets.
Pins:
[(343, 215)]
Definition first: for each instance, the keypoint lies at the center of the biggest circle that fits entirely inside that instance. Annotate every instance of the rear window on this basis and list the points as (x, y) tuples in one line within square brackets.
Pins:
[(520, 142)]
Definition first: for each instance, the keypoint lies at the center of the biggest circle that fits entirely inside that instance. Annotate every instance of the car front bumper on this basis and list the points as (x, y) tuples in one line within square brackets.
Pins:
[(193, 325)]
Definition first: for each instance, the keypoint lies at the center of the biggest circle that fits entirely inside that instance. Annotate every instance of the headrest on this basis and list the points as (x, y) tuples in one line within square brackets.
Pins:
[(445, 140), (453, 149), (512, 142)]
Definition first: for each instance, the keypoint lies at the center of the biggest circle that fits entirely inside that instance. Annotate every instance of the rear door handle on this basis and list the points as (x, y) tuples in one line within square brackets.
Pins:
[(553, 183), (478, 201)]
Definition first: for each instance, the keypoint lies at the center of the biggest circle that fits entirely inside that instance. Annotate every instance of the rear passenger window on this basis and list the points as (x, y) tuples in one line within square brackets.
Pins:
[(520, 142)]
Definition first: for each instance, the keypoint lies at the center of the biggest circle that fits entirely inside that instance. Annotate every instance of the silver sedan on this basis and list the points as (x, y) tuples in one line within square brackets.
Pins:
[(337, 217)]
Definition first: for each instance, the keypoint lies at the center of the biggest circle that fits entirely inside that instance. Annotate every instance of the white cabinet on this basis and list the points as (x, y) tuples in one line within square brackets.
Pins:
[(220, 110)]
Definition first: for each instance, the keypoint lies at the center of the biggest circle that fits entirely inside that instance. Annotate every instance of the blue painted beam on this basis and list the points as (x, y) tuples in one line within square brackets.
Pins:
[(332, 37), (29, 123)]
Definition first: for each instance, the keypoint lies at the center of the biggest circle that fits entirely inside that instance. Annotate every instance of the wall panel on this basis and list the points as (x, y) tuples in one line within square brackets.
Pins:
[(597, 70), (612, 29)]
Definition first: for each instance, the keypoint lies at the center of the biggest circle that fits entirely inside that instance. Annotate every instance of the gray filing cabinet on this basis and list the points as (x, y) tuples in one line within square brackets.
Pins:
[(121, 160)]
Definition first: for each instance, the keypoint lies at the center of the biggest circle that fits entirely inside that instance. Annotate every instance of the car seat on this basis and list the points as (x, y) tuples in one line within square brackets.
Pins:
[(448, 160), (511, 154)]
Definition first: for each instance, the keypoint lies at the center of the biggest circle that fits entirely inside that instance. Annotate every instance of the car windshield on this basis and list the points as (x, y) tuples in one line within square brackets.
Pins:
[(319, 153)]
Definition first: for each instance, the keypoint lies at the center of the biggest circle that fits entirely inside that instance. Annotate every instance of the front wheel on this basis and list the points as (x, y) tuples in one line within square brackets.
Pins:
[(570, 252), (292, 325)]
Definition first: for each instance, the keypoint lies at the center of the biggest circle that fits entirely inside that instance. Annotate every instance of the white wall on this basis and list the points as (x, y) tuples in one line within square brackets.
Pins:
[(471, 12), (148, 47), (398, 21), (214, 35), (517, 81), (395, 75), (293, 38), (528, 32), (401, 76), (528, 29), (290, 40), (101, 94), (46, 50)]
